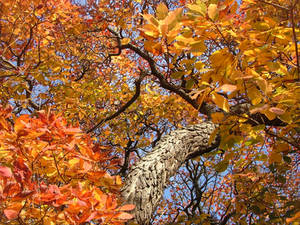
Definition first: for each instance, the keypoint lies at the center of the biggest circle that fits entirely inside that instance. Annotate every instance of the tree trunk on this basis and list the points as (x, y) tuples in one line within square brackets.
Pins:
[(147, 179)]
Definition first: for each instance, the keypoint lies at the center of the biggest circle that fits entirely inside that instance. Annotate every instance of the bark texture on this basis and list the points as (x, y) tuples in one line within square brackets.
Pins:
[(147, 179)]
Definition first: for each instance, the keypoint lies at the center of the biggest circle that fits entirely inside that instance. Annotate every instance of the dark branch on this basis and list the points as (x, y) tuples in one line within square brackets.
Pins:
[(204, 108), (28, 95), (124, 107)]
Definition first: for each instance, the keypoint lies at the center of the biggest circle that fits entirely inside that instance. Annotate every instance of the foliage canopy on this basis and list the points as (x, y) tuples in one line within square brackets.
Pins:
[(89, 87)]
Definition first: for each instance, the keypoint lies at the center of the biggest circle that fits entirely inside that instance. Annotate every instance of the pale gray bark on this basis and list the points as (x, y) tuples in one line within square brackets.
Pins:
[(147, 179)]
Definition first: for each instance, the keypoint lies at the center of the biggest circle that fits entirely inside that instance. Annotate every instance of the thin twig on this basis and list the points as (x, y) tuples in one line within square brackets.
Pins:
[(283, 139), (274, 4), (56, 166)]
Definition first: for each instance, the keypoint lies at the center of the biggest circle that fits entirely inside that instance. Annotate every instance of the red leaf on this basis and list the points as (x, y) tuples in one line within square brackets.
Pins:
[(11, 213), (5, 171), (92, 216), (11, 189)]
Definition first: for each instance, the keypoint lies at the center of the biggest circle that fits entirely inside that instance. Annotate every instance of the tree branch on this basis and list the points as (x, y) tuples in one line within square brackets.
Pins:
[(124, 107), (148, 178)]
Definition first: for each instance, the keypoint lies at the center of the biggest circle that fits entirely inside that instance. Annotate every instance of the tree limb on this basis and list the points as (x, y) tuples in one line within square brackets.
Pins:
[(124, 107), (147, 179)]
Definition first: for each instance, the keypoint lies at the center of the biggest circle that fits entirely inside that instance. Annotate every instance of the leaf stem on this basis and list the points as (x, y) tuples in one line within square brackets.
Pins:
[(56, 166)]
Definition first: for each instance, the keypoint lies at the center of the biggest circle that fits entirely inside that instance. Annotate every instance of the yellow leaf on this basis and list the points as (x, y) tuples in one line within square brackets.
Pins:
[(213, 136), (153, 47), (172, 19), (212, 11), (263, 85), (178, 74), (270, 115), (282, 147), (286, 117), (228, 87), (125, 41), (254, 95), (161, 11), (220, 101), (118, 180), (199, 8), (56, 69), (74, 161), (151, 19), (150, 30), (217, 117), (251, 73), (198, 46), (163, 28)]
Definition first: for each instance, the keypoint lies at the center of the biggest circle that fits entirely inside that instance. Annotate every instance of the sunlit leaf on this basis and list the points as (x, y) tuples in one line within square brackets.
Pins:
[(212, 11), (5, 171), (162, 11), (220, 101)]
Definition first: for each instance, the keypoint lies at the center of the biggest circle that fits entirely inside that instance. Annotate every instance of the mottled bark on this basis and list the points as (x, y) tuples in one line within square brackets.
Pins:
[(148, 178)]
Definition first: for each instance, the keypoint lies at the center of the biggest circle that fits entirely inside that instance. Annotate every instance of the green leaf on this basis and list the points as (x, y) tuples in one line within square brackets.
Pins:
[(287, 159), (189, 84), (221, 166), (177, 75)]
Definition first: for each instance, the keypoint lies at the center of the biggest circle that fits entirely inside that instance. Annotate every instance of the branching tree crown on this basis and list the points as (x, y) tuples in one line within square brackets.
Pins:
[(107, 104)]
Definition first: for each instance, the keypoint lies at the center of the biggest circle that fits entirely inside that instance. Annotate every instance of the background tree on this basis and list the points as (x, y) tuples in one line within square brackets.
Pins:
[(220, 77)]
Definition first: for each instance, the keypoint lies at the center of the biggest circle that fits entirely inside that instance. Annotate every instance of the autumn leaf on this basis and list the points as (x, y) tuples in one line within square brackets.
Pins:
[(12, 212), (5, 171), (220, 101), (126, 208), (162, 11), (200, 8), (212, 11), (91, 90), (124, 216), (276, 110), (228, 87)]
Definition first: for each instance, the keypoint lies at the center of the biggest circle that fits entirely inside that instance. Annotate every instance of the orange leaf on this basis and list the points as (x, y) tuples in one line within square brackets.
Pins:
[(228, 87), (276, 110), (297, 216), (3, 124), (5, 171), (124, 216), (11, 213), (126, 207)]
